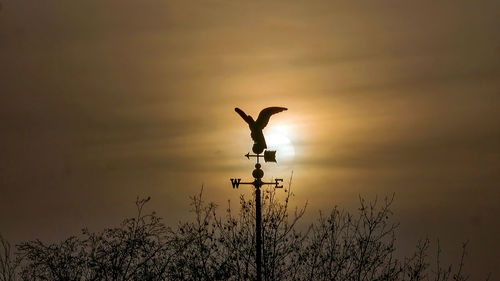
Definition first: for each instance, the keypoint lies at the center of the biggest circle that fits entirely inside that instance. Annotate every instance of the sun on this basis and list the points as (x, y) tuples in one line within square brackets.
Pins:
[(278, 138)]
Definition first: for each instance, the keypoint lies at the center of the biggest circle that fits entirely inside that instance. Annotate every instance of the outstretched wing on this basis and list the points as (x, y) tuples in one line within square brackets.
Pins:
[(245, 117), (265, 115)]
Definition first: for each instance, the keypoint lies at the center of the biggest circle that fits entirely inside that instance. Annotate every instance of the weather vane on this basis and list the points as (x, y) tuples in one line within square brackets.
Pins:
[(256, 127)]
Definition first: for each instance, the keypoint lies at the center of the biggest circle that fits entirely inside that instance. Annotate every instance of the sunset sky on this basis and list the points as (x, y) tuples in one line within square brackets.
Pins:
[(104, 101)]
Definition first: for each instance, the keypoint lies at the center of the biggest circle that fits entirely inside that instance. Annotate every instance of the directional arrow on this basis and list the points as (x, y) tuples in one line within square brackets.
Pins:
[(269, 156)]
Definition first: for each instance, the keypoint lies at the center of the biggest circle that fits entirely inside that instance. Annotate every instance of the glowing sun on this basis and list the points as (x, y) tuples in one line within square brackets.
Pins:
[(278, 138)]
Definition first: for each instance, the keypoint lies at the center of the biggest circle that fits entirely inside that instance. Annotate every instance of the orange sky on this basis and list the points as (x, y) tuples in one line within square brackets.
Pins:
[(101, 102)]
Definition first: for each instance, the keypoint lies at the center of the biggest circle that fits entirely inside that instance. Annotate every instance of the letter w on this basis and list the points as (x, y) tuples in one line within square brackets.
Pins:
[(235, 182)]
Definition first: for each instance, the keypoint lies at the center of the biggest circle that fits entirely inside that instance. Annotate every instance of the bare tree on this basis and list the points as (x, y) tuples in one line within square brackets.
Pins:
[(357, 246), (8, 263), (142, 248)]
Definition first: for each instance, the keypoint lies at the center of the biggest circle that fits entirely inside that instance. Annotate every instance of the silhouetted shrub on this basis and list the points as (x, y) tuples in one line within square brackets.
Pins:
[(337, 246)]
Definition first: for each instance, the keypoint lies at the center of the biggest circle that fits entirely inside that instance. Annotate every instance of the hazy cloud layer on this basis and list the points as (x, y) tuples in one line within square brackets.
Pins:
[(101, 102)]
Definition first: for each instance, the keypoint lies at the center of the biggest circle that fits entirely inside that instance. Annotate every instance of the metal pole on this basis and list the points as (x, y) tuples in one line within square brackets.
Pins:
[(258, 174), (258, 238), (257, 183)]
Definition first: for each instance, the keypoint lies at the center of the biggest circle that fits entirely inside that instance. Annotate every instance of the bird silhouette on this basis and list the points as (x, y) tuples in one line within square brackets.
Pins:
[(258, 125)]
